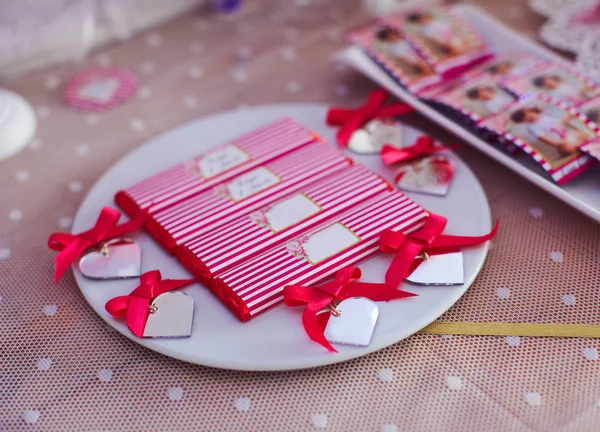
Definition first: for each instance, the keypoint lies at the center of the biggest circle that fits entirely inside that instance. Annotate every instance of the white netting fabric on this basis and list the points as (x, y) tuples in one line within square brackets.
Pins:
[(62, 368)]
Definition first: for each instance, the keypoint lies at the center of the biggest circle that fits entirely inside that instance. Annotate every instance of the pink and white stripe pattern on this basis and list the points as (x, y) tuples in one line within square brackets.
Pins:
[(243, 239), (259, 282), (208, 210), (180, 182)]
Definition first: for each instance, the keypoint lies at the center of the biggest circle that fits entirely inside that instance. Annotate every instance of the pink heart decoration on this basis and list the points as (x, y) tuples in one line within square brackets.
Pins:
[(100, 89)]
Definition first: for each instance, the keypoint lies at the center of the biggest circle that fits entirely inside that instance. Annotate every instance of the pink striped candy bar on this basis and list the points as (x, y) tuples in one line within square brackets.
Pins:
[(244, 194), (207, 170), (212, 254), (255, 286)]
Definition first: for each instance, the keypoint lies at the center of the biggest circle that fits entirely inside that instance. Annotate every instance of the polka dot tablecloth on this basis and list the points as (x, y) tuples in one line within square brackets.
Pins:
[(63, 369)]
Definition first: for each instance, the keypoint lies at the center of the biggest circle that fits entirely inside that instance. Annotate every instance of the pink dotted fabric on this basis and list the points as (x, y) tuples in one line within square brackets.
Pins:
[(64, 369)]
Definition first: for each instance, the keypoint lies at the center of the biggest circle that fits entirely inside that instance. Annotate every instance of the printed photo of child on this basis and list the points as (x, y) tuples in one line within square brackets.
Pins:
[(553, 132), (442, 35), (390, 43), (508, 68), (593, 114), (485, 99), (563, 86), (593, 150), (592, 110)]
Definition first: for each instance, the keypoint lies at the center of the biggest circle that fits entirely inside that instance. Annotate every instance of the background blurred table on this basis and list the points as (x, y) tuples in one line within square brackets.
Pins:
[(62, 368)]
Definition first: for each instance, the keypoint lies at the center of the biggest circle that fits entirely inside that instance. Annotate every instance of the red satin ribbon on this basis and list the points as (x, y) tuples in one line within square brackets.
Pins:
[(424, 145), (350, 120), (344, 286), (428, 239), (136, 306), (71, 246)]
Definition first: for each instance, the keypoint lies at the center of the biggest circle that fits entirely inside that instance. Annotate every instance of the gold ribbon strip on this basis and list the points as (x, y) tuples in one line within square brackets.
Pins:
[(513, 329)]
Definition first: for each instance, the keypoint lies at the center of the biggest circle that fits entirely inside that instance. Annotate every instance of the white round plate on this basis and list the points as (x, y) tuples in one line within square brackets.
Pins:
[(276, 339)]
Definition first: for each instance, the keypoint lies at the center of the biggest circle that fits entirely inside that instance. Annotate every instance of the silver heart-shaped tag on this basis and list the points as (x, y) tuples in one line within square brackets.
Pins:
[(445, 269), (360, 142), (171, 316), (432, 175), (117, 259), (354, 324), (374, 135), (385, 131)]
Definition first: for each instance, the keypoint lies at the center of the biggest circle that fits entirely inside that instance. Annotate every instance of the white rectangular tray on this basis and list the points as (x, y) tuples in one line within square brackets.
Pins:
[(582, 193)]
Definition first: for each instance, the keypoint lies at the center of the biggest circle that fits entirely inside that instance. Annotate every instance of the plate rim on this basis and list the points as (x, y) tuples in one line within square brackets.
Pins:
[(304, 363)]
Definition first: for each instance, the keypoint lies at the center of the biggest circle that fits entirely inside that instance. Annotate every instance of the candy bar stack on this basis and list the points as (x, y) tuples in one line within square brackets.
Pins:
[(247, 236), (275, 206), (244, 193), (205, 171), (257, 285)]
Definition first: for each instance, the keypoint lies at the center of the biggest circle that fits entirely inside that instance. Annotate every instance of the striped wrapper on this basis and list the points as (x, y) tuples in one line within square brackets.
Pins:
[(207, 170), (212, 254), (257, 285), (244, 194)]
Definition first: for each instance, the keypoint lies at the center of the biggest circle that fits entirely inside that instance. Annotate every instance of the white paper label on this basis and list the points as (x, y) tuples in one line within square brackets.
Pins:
[(252, 182), (290, 212), (329, 241), (221, 160)]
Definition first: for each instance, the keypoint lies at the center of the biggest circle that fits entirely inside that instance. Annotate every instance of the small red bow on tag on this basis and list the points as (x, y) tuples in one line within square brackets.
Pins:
[(71, 246), (429, 239), (136, 306), (424, 146), (343, 286), (350, 120)]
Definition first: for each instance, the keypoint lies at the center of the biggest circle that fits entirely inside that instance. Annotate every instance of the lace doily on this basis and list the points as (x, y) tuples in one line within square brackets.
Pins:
[(574, 26)]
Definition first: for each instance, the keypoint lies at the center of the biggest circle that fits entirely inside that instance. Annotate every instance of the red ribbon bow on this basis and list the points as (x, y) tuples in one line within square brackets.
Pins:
[(428, 239), (136, 306), (71, 246), (424, 145), (343, 286), (352, 119)]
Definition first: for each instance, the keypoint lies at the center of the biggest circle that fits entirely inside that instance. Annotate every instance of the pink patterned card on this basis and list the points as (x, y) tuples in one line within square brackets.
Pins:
[(507, 66), (387, 46), (478, 98), (445, 40), (591, 109), (213, 253), (551, 132), (560, 82), (257, 285)]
